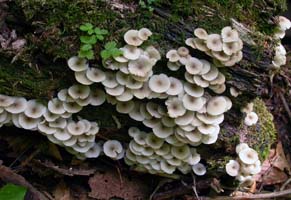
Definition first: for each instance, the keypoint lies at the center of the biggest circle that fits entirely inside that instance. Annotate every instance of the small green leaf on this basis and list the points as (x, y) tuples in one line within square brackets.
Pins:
[(116, 52), (110, 45), (86, 47), (100, 37), (105, 54), (104, 32), (97, 31), (86, 54), (90, 32), (12, 192), (86, 27), (88, 39)]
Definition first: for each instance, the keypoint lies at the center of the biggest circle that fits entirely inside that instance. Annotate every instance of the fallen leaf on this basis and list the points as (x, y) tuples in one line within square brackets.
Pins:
[(62, 192)]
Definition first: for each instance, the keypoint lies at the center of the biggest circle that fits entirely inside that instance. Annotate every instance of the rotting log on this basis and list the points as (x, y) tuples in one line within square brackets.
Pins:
[(47, 33)]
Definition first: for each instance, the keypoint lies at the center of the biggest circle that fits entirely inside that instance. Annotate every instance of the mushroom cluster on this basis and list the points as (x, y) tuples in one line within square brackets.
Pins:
[(147, 152), (251, 118), (186, 115), (225, 47), (246, 166)]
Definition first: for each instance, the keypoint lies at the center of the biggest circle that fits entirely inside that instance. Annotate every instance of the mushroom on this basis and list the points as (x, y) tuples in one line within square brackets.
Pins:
[(34, 109), (113, 149), (77, 64), (141, 66), (190, 42), (176, 86), (214, 42), (76, 128), (251, 119), (181, 152), (193, 66), (159, 83), (144, 33), (229, 35), (95, 75), (94, 151), (79, 91), (241, 147), (97, 97), (173, 55), (131, 52), (131, 37), (81, 77), (232, 168), (18, 106), (193, 90), (175, 107), (199, 169), (201, 33), (125, 107), (248, 156), (216, 105)]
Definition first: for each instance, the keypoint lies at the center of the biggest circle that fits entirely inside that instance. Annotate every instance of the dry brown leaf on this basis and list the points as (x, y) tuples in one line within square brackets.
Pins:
[(109, 184), (280, 160), (62, 192)]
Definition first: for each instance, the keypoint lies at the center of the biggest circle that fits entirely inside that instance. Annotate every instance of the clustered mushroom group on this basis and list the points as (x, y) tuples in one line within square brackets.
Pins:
[(251, 118), (188, 111), (283, 24), (246, 166)]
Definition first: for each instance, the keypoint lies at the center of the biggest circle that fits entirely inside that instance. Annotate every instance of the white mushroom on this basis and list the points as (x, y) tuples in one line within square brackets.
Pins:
[(232, 168), (113, 149), (131, 38), (251, 119), (144, 33), (159, 83), (77, 64), (214, 42), (248, 156), (34, 109), (95, 75), (199, 169), (18, 106)]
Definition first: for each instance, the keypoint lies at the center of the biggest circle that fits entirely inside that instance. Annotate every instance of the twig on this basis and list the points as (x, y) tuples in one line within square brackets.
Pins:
[(285, 105), (194, 186), (285, 184)]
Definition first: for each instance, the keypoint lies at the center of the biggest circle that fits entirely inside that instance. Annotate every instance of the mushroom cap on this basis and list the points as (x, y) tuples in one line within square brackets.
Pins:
[(251, 119), (216, 105), (175, 107), (185, 119), (153, 53), (144, 112), (193, 136), (194, 157), (248, 156), (183, 51), (181, 152), (131, 52), (78, 64), (49, 116), (151, 123), (143, 92), (55, 106), (229, 35), (112, 148), (81, 77), (116, 91), (120, 59), (201, 33), (167, 168), (34, 109), (241, 147), (230, 48), (97, 97), (76, 128), (199, 169), (125, 107), (153, 141), (126, 96), (173, 55), (210, 119), (207, 129), (220, 79), (140, 67), (198, 80), (79, 91), (72, 107), (110, 80), (18, 106), (121, 78), (132, 131), (189, 77), (190, 42), (193, 90), (28, 123), (45, 128), (214, 42), (284, 23), (232, 168), (164, 150), (95, 75), (168, 122), (152, 109), (62, 134), (200, 44), (131, 38), (211, 75), (135, 113), (176, 86), (211, 138), (58, 123), (144, 33), (218, 89), (159, 83), (83, 148), (221, 55), (94, 151), (173, 66), (193, 66), (162, 131), (206, 67), (5, 100)]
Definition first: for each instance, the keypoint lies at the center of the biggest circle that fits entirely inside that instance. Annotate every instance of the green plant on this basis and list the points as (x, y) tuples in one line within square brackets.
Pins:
[(12, 192), (93, 35), (110, 51), (147, 4)]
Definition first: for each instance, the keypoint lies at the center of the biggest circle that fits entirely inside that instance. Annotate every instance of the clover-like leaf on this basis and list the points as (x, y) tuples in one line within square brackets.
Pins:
[(86, 47), (86, 27), (88, 39), (110, 45)]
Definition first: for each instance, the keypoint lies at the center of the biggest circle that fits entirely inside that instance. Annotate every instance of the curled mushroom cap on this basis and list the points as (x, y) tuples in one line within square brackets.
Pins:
[(176, 86), (162, 131), (193, 90), (216, 105), (97, 97), (200, 44), (173, 55), (251, 119), (94, 151), (248, 156), (153, 141), (159, 83), (95, 75), (79, 91), (214, 42), (232, 168), (76, 128), (201, 33), (229, 35), (284, 23), (131, 52), (81, 77), (199, 169), (77, 64), (193, 66), (131, 38), (62, 134), (241, 147), (144, 33), (211, 75), (153, 53), (110, 80), (28, 122), (125, 107), (190, 42), (6, 100), (173, 66), (141, 66), (181, 152), (18, 106), (55, 106), (113, 149), (34, 109), (175, 107), (58, 123)]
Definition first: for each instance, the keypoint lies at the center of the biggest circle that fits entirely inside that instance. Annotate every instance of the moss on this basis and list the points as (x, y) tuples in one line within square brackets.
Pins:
[(263, 134)]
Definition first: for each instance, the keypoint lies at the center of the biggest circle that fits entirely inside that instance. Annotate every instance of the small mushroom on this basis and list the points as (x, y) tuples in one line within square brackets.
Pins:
[(232, 168)]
